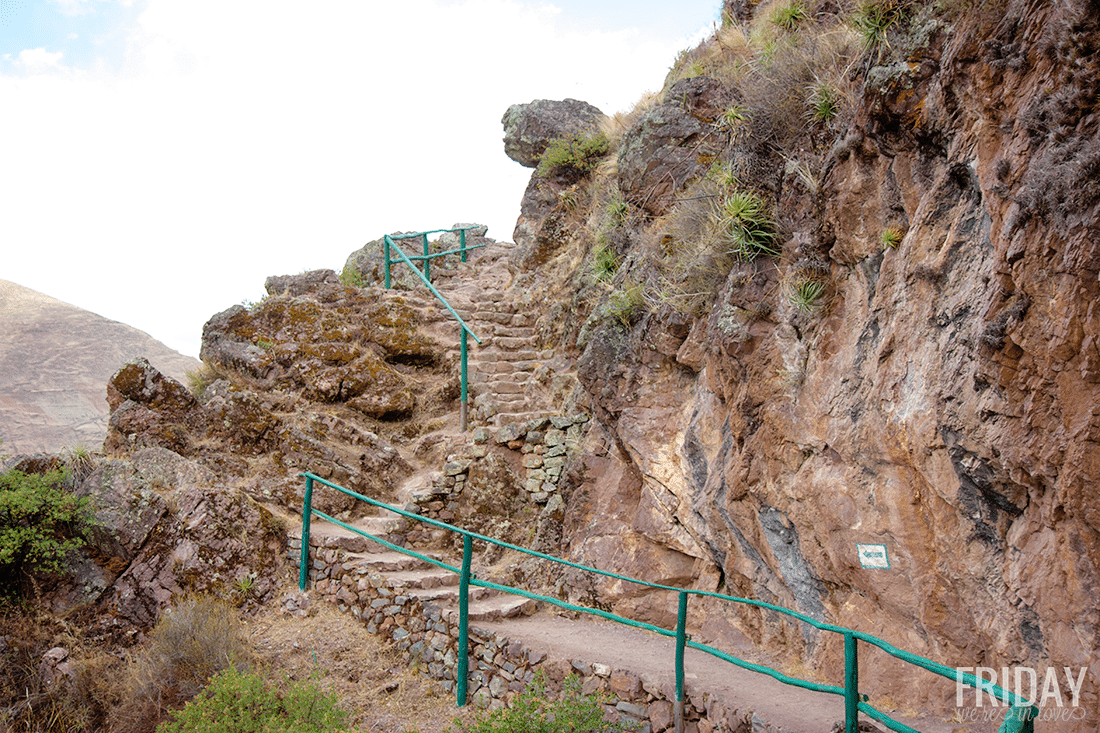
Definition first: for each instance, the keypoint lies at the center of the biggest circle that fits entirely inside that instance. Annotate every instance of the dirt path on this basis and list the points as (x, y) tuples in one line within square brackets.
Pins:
[(651, 657)]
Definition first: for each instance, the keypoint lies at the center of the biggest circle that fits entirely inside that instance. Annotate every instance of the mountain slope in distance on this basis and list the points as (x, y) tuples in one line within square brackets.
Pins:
[(55, 361)]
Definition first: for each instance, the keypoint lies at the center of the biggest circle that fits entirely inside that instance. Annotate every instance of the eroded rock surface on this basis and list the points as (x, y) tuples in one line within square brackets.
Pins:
[(530, 128)]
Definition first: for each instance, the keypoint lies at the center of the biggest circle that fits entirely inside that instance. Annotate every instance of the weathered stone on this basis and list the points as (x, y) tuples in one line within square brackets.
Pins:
[(661, 153), (530, 128)]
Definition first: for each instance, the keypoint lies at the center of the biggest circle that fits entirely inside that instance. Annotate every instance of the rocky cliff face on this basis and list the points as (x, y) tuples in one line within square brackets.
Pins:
[(910, 361)]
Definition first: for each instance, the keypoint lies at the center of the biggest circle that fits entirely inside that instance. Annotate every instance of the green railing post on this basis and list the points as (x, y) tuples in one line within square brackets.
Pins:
[(427, 267), (681, 641), (463, 407), (851, 684), (386, 249), (307, 510), (463, 671), (462, 243)]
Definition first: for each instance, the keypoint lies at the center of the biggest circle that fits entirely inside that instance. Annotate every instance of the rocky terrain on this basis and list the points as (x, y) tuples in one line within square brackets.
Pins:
[(54, 362), (833, 285)]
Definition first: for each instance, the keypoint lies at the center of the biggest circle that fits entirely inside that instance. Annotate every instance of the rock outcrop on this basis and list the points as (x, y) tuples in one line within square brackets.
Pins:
[(530, 128), (671, 143), (936, 394)]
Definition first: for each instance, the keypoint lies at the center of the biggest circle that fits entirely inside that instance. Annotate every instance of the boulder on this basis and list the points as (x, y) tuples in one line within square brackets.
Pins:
[(150, 409), (674, 143), (529, 128), (300, 284)]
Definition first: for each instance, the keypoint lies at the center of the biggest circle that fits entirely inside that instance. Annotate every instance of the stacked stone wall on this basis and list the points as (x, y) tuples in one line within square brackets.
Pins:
[(500, 668)]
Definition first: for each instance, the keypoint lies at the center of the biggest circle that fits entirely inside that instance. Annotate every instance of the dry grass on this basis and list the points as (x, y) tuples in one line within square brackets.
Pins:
[(368, 676)]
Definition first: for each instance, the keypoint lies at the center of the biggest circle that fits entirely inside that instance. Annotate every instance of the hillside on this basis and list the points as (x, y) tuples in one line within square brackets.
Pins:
[(55, 360), (832, 288)]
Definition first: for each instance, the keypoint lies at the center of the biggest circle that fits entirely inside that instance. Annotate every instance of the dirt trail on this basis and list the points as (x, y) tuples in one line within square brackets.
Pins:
[(651, 657)]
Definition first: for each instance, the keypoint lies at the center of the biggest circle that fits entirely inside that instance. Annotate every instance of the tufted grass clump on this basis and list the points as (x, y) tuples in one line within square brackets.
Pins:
[(874, 19), (805, 294), (823, 101), (892, 236), (790, 16), (747, 226), (192, 641), (604, 263)]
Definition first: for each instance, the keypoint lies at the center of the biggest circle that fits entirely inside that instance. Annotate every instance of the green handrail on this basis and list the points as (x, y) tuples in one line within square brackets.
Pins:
[(389, 244), (1019, 718)]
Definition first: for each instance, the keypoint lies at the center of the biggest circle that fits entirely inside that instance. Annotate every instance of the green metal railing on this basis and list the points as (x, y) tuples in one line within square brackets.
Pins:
[(1019, 718), (390, 245)]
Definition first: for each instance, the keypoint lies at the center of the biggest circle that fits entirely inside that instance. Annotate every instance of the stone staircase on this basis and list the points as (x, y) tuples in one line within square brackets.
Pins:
[(354, 562), (503, 370)]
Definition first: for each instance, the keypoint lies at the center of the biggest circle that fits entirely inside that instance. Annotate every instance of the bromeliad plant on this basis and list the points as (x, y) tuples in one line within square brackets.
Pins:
[(746, 224)]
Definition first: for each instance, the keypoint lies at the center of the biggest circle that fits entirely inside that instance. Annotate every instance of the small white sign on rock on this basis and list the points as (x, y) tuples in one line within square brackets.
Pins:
[(873, 556)]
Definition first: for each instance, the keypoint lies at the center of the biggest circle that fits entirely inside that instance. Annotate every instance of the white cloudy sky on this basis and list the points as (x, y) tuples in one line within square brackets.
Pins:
[(160, 158)]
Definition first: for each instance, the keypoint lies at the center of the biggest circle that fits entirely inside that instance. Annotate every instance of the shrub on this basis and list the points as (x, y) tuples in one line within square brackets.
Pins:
[(746, 223), (573, 155), (534, 712), (40, 524), (351, 277), (192, 641), (240, 702)]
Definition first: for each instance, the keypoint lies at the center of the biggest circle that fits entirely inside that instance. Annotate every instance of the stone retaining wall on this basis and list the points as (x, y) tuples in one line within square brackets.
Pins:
[(500, 668)]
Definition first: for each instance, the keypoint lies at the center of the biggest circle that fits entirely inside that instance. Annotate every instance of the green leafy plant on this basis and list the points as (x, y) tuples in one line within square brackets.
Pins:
[(746, 224), (623, 303), (351, 277), (41, 523), (240, 702), (575, 154), (823, 101), (873, 20), (617, 210), (892, 236), (789, 16), (534, 712), (604, 263), (805, 294)]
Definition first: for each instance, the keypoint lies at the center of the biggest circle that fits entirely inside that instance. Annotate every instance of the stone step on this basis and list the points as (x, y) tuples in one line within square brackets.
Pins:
[(503, 418), (326, 535), (512, 343), (495, 353), (430, 578), (503, 319), (388, 562), (447, 595), (514, 331), (495, 608), (505, 386)]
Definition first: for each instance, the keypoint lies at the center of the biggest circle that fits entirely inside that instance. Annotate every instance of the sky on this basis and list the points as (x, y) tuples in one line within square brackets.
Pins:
[(160, 158)]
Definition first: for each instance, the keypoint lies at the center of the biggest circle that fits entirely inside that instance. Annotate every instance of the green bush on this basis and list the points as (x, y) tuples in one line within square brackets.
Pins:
[(41, 522), (243, 702), (574, 155), (534, 712)]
